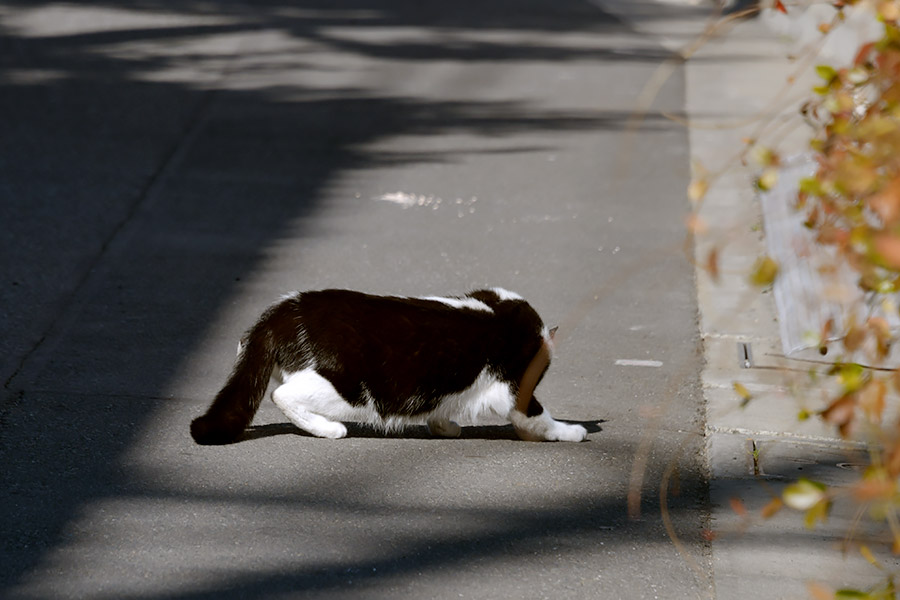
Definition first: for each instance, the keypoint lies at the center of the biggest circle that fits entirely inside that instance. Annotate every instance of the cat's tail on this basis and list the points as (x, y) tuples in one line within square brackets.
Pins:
[(234, 406)]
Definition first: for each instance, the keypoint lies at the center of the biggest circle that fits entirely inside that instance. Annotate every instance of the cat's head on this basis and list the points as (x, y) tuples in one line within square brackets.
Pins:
[(514, 309), (527, 344)]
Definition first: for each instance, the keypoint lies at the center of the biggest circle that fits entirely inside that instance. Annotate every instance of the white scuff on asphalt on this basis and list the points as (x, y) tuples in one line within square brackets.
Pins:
[(629, 362), (409, 200)]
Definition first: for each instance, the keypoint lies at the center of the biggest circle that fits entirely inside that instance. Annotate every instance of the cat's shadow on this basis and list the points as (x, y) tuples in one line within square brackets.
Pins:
[(413, 432)]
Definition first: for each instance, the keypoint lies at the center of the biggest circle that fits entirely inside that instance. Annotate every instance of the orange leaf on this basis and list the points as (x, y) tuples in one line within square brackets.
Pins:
[(840, 412), (712, 264), (696, 224), (773, 506), (888, 248), (877, 488), (737, 505), (826, 330), (831, 234), (854, 337), (892, 461), (882, 331), (871, 400), (819, 592), (886, 203), (863, 53)]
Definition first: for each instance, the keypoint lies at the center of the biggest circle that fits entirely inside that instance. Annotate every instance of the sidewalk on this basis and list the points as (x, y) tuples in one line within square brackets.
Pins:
[(753, 450)]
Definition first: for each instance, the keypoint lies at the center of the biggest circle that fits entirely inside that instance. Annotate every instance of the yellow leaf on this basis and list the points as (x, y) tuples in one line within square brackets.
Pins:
[(765, 269), (743, 392), (767, 179), (867, 554), (764, 156), (697, 189), (818, 512)]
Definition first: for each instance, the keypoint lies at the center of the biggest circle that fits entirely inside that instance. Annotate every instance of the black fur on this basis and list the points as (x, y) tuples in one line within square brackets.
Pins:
[(407, 353)]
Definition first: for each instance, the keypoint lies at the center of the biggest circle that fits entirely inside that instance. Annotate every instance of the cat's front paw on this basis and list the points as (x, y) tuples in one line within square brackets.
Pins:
[(333, 430), (563, 432), (543, 428)]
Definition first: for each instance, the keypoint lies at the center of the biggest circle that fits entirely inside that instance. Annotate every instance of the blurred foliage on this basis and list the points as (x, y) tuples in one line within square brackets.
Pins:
[(852, 206)]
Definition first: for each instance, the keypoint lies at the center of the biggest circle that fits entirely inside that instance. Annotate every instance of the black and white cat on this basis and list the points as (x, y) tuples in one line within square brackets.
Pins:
[(388, 361)]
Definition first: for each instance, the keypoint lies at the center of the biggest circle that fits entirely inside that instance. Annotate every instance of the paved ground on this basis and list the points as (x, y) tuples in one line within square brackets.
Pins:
[(169, 168)]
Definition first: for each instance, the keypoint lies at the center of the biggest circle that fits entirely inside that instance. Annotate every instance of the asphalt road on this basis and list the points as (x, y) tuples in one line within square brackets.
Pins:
[(169, 168)]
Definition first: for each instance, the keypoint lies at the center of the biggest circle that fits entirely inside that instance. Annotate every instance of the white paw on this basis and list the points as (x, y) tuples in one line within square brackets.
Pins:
[(563, 432), (332, 430), (444, 428), (544, 428)]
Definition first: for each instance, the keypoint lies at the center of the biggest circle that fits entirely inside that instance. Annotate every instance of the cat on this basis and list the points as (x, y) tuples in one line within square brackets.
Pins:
[(341, 355)]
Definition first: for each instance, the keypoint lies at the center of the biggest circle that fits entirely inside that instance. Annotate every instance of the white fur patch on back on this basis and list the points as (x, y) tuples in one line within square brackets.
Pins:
[(470, 303), (504, 294)]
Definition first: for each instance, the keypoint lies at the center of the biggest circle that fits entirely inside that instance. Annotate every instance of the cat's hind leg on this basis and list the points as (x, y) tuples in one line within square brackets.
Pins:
[(536, 425), (303, 396), (443, 427)]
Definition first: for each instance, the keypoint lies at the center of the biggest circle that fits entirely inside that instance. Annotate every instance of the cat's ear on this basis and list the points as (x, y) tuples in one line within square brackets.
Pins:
[(553, 332)]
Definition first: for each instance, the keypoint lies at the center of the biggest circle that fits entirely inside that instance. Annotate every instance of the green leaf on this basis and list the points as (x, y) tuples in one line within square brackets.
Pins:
[(851, 594), (826, 72), (811, 186), (852, 376)]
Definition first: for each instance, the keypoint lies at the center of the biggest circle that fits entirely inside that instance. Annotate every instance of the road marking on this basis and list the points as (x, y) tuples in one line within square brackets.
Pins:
[(627, 362)]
